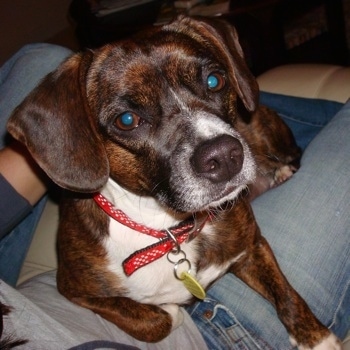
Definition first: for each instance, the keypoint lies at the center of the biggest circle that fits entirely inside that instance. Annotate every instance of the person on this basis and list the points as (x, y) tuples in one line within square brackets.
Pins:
[(306, 221), (18, 76)]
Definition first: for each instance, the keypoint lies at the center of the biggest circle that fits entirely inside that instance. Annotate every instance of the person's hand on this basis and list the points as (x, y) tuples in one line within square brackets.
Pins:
[(20, 170)]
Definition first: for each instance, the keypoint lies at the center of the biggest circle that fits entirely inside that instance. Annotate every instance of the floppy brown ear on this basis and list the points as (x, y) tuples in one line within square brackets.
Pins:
[(56, 125), (224, 37)]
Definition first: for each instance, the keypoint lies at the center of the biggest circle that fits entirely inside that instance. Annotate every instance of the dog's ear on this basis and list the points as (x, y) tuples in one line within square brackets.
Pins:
[(222, 37), (56, 125)]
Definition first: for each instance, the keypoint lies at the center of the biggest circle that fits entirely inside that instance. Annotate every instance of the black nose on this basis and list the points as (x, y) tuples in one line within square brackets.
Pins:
[(218, 159)]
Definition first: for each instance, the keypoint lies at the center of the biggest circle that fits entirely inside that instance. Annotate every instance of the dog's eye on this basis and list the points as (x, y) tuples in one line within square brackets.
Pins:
[(127, 121), (215, 81)]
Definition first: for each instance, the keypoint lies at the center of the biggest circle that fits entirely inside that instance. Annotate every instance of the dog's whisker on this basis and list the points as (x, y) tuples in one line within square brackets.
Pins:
[(153, 190)]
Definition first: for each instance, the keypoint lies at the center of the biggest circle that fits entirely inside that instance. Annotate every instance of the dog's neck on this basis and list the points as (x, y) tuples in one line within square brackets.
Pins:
[(145, 215), (143, 210)]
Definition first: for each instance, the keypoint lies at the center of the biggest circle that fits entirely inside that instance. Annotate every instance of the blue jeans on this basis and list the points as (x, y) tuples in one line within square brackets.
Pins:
[(18, 77), (306, 117), (307, 223)]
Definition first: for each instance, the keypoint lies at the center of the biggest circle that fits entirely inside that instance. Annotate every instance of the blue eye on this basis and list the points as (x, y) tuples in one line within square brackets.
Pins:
[(127, 121), (215, 81)]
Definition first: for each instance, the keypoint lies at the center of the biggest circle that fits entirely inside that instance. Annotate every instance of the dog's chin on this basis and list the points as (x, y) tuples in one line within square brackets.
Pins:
[(228, 196), (217, 200)]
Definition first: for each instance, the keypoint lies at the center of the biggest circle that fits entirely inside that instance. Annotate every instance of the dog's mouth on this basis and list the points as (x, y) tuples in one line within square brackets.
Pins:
[(228, 195), (205, 199)]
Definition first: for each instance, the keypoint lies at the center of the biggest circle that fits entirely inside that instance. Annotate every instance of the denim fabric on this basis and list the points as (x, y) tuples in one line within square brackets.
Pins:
[(18, 77), (305, 116), (307, 223), (14, 246), (221, 329), (22, 72)]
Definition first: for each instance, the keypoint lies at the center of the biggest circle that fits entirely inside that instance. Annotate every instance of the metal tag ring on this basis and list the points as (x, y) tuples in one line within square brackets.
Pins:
[(177, 248), (176, 253), (176, 265)]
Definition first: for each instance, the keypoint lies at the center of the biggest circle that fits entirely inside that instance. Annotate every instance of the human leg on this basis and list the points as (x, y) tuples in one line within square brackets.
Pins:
[(49, 321), (18, 76), (22, 72), (306, 117), (316, 213), (307, 224)]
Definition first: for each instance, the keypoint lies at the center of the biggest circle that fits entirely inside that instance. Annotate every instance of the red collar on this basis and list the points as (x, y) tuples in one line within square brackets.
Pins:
[(185, 231)]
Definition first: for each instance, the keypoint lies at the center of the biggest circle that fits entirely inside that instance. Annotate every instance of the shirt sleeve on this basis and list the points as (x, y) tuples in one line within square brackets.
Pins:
[(13, 207)]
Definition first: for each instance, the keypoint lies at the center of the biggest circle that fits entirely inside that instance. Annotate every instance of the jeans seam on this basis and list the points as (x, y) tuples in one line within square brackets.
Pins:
[(339, 304), (247, 333), (301, 121)]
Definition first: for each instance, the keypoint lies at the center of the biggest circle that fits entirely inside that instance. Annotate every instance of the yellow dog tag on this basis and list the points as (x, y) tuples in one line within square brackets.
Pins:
[(192, 285)]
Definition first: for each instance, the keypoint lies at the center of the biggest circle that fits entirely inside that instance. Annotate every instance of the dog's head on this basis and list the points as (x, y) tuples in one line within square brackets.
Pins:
[(156, 113)]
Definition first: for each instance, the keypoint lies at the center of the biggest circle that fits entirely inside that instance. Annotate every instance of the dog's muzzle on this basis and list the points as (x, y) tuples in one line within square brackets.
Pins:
[(218, 159)]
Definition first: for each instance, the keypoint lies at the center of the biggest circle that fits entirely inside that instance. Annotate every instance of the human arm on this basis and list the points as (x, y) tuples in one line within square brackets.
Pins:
[(22, 183)]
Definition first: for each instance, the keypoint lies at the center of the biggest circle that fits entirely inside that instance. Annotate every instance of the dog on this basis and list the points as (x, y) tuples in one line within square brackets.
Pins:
[(157, 140)]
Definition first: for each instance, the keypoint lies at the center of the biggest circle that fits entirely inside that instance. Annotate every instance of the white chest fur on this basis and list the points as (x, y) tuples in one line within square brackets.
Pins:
[(153, 283)]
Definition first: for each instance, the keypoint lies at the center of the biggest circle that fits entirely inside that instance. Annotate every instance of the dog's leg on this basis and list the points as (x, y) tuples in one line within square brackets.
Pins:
[(260, 270), (148, 323)]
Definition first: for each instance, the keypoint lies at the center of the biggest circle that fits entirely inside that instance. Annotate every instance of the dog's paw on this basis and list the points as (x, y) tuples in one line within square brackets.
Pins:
[(282, 174), (175, 313), (329, 343), (263, 182)]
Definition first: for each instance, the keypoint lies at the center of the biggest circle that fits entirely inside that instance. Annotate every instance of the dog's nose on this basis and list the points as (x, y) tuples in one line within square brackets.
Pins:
[(218, 159)]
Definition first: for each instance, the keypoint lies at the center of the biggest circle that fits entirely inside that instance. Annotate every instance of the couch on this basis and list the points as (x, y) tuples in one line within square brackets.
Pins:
[(306, 80)]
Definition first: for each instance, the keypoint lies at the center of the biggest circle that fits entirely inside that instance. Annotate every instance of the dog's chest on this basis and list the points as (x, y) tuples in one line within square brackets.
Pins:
[(154, 282)]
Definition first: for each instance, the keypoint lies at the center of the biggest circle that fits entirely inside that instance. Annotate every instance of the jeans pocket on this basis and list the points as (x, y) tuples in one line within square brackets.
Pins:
[(221, 330)]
